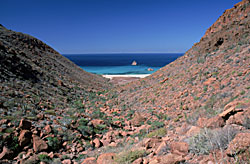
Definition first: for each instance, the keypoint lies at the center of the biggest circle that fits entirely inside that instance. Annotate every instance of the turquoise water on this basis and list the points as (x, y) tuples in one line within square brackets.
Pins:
[(120, 64), (119, 70)]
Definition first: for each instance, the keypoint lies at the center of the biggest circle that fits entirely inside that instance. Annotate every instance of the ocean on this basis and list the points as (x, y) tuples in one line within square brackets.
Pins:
[(120, 64)]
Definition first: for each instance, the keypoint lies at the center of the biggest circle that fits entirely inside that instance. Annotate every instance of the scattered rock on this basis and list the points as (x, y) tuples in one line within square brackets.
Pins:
[(39, 144), (6, 153), (48, 129), (90, 160), (239, 144), (97, 143), (138, 119), (179, 148), (163, 148), (106, 158), (66, 161), (138, 161), (24, 138), (193, 131)]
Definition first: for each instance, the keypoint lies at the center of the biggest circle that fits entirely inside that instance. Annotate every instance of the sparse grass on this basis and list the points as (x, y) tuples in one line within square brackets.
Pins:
[(44, 158), (246, 122), (157, 133), (208, 140), (130, 156)]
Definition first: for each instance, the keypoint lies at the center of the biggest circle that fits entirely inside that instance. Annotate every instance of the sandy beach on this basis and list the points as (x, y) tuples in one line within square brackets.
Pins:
[(125, 76), (123, 79)]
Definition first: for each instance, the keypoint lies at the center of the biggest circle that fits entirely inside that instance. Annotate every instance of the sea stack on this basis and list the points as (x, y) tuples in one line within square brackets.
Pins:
[(150, 69), (134, 63)]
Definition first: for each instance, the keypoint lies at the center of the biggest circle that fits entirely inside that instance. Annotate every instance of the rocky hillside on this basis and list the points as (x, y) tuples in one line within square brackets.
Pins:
[(34, 73), (38, 85), (208, 87)]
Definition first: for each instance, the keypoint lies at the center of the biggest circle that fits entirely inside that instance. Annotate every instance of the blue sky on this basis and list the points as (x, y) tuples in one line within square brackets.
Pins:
[(105, 26)]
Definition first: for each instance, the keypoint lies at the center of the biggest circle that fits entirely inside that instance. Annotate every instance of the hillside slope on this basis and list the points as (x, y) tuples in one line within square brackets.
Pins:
[(40, 87), (199, 99), (213, 72), (31, 68)]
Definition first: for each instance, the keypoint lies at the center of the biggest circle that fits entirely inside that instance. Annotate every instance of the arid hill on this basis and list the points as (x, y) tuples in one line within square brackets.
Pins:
[(38, 84), (208, 88), (34, 73), (194, 110)]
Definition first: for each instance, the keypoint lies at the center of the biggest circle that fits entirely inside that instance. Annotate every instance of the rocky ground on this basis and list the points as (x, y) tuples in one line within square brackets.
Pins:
[(194, 110)]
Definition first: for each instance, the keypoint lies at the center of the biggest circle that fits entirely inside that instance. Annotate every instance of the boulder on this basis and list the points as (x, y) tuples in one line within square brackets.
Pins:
[(24, 138), (39, 144), (179, 148), (214, 122), (137, 119), (193, 131), (47, 129), (240, 143), (97, 143), (106, 158), (66, 161), (90, 160), (138, 161), (163, 148), (6, 153), (152, 143), (97, 122), (167, 159)]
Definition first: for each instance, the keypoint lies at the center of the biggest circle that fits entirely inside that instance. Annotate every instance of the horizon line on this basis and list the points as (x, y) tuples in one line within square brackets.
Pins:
[(124, 53)]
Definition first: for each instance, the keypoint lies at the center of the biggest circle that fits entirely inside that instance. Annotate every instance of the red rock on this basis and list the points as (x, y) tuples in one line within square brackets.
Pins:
[(6, 153), (214, 122), (209, 81), (193, 131), (24, 138), (230, 111), (162, 148), (137, 119), (66, 161), (97, 122), (106, 158), (113, 144), (138, 161), (241, 142), (4, 121), (90, 160), (24, 124), (179, 148), (48, 129), (152, 143), (201, 122), (39, 144), (167, 159), (97, 143), (51, 155)]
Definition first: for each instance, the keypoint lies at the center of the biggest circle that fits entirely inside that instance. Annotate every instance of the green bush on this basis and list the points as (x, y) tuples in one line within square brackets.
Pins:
[(157, 133), (53, 143), (156, 125), (130, 156), (44, 158)]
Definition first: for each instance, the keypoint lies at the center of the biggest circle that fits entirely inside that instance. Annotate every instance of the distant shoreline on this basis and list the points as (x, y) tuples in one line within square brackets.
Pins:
[(138, 76)]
